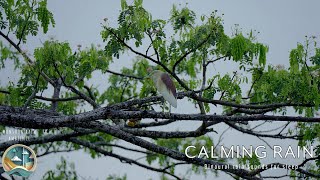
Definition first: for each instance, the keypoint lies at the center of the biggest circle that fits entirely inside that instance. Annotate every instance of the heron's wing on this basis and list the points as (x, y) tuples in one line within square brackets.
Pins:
[(168, 90), (165, 78)]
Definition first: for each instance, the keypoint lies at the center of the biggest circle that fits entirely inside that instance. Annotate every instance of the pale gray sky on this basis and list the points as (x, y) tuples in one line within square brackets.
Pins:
[(281, 24)]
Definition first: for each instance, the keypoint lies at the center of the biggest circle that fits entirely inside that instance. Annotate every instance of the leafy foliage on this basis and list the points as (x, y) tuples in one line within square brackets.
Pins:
[(6, 53), (64, 170), (25, 17), (182, 19), (252, 162), (178, 45), (115, 177)]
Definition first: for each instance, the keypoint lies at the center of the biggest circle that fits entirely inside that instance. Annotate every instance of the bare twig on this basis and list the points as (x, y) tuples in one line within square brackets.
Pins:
[(33, 93), (73, 89), (155, 50), (124, 75), (191, 51)]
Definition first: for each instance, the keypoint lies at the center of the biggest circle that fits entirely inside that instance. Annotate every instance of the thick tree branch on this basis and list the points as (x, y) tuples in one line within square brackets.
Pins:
[(12, 116), (166, 135), (56, 94), (154, 124)]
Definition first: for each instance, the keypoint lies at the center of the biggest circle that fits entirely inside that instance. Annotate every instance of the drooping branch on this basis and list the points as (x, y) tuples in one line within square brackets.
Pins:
[(117, 132), (55, 151), (276, 136), (121, 158), (121, 147)]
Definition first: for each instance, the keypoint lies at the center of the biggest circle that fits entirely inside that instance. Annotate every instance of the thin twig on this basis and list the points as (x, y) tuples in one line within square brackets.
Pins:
[(33, 93)]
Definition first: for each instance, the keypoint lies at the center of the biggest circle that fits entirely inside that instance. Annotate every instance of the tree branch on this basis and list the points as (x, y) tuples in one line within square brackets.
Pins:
[(121, 147), (117, 132), (124, 75), (44, 139), (166, 135), (73, 89), (28, 60), (151, 59), (154, 124), (56, 94), (190, 51), (121, 158), (13, 116), (46, 98), (155, 50), (247, 131), (33, 93)]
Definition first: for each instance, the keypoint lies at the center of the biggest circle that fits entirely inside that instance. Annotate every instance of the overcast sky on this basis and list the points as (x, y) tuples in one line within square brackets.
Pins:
[(281, 25)]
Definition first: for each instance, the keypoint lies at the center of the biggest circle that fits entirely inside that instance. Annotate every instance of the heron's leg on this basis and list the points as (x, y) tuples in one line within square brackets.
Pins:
[(163, 105)]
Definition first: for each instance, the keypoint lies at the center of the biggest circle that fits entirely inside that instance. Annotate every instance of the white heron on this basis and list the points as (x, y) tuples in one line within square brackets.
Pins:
[(164, 85)]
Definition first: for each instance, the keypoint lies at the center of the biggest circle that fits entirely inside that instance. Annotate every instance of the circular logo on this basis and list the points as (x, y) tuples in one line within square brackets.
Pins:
[(19, 160)]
